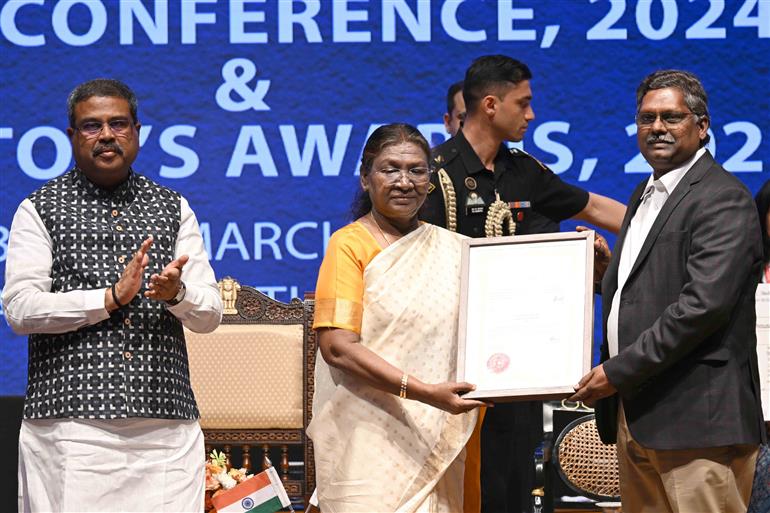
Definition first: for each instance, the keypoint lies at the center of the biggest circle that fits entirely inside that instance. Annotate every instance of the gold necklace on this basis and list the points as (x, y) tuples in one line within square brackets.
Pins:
[(371, 214)]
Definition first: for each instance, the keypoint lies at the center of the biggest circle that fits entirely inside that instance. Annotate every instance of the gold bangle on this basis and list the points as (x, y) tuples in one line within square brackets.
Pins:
[(402, 392)]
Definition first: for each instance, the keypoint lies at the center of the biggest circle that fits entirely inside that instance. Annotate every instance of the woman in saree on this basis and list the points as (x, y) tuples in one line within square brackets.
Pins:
[(389, 422)]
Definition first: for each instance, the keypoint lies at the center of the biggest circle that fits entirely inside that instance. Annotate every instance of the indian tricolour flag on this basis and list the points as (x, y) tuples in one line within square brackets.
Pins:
[(263, 493)]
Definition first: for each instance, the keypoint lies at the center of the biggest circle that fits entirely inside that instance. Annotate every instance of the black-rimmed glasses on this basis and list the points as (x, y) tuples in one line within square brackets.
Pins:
[(91, 129), (669, 118)]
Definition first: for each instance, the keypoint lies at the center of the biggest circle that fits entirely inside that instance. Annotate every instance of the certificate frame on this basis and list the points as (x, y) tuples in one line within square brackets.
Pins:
[(541, 276)]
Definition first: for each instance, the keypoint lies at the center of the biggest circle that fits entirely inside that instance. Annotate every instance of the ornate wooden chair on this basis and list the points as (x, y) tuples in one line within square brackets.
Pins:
[(253, 381)]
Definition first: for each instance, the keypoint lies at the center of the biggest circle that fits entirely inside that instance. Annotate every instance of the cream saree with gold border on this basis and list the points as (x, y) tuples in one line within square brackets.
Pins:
[(373, 450)]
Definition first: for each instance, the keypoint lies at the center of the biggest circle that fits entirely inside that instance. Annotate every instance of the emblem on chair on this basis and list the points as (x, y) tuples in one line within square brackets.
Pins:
[(228, 289)]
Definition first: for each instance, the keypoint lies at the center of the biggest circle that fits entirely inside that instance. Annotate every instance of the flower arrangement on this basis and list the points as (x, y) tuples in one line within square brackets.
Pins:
[(219, 479)]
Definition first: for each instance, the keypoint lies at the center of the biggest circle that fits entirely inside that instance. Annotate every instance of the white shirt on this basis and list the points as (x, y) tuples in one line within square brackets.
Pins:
[(30, 307), (654, 197)]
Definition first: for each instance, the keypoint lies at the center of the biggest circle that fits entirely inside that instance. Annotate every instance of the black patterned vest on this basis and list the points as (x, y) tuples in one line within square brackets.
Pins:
[(133, 364)]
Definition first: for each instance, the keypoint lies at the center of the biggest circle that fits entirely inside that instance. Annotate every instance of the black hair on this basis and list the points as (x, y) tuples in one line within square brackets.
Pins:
[(102, 87), (488, 75), (450, 96), (384, 136)]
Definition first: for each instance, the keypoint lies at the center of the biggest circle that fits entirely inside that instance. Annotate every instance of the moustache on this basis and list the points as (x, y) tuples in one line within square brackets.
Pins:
[(114, 147), (666, 138)]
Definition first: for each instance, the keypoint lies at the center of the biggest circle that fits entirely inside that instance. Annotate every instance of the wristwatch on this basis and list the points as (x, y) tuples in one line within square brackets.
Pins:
[(179, 296)]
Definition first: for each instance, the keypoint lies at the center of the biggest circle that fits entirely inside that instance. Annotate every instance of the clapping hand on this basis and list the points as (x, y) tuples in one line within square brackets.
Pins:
[(131, 280), (165, 286)]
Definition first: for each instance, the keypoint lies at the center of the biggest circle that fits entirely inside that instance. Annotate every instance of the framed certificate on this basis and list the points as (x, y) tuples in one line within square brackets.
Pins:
[(526, 315)]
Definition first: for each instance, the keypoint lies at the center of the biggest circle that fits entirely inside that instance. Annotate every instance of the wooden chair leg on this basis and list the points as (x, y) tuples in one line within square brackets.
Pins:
[(265, 456), (246, 457), (285, 462)]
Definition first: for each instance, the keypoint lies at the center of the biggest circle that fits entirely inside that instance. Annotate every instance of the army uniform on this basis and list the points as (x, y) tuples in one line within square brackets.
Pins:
[(459, 198)]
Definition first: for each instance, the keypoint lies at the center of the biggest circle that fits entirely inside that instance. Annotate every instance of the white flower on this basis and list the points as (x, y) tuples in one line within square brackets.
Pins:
[(225, 480)]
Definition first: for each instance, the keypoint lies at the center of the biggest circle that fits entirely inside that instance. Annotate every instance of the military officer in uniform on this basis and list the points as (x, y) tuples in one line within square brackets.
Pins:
[(453, 120), (480, 189)]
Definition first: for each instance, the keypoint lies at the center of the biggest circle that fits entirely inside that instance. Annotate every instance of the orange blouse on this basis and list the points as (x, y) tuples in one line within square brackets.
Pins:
[(339, 293)]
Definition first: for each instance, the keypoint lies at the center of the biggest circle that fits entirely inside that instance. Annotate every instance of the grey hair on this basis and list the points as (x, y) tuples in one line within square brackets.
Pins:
[(692, 89)]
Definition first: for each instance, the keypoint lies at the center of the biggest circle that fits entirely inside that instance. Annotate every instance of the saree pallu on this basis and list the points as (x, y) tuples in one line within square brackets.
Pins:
[(373, 450)]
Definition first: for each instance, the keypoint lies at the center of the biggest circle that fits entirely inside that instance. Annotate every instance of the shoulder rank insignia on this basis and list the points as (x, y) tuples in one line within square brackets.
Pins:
[(517, 152), (438, 159)]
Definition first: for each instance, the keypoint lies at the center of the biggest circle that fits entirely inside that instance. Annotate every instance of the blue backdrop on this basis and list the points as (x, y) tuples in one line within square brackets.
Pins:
[(257, 110)]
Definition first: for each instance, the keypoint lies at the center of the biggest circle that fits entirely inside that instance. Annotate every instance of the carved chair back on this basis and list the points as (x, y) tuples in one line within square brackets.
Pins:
[(253, 382)]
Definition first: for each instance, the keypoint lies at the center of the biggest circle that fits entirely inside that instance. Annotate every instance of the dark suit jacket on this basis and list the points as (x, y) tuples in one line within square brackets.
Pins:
[(687, 364)]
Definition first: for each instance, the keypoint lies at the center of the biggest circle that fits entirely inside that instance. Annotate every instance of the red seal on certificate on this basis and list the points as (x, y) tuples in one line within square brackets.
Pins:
[(498, 362)]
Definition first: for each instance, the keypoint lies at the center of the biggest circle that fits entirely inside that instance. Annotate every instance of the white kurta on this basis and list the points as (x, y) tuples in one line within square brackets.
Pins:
[(126, 465), (31, 307), (135, 464)]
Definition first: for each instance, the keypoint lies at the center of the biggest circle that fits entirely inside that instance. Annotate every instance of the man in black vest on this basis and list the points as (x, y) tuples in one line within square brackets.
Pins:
[(104, 267)]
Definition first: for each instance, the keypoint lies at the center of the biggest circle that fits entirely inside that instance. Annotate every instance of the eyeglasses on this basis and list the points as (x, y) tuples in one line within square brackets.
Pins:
[(92, 129), (416, 175), (670, 119)]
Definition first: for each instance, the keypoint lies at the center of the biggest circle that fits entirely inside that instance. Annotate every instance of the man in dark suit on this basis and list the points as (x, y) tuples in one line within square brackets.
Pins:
[(679, 387)]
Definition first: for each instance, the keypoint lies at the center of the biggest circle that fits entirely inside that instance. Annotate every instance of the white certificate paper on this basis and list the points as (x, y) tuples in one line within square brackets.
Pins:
[(526, 320), (763, 344)]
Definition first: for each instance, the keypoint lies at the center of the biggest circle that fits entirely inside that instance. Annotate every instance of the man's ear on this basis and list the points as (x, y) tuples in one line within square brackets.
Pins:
[(703, 127), (489, 104)]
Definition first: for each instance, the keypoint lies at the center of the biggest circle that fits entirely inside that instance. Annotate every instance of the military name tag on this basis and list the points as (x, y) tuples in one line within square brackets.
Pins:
[(474, 205), (474, 211)]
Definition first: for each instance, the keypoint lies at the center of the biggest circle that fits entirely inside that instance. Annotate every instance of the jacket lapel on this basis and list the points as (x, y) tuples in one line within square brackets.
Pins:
[(693, 176), (610, 280)]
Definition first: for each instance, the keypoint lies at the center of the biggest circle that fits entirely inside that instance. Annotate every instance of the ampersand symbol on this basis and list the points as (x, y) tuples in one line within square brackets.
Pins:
[(237, 74)]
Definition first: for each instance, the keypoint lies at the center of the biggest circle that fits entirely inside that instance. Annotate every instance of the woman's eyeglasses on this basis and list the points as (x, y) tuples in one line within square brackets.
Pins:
[(416, 175)]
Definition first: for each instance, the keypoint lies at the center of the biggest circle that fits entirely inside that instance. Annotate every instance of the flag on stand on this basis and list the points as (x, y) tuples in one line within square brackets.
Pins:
[(263, 493)]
